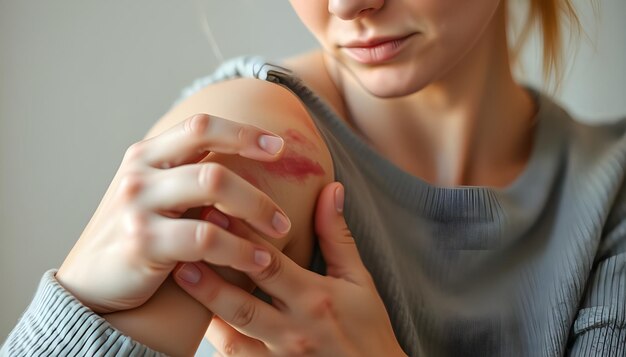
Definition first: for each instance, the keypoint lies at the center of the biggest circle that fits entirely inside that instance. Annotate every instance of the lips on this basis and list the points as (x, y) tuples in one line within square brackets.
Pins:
[(374, 41), (377, 49)]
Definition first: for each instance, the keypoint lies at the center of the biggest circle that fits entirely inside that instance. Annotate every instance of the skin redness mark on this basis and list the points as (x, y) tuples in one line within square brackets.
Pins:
[(294, 165), (294, 137)]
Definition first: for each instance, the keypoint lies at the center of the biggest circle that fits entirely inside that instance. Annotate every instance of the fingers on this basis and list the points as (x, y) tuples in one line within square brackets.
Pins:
[(194, 240), (335, 239), (230, 342), (281, 278), (201, 133), (235, 306), (211, 184)]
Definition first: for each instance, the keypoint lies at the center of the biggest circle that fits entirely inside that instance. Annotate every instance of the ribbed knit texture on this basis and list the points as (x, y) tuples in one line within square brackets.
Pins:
[(537, 268), (57, 324)]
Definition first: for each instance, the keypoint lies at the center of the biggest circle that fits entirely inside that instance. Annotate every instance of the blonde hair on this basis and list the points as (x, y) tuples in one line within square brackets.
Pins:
[(550, 17)]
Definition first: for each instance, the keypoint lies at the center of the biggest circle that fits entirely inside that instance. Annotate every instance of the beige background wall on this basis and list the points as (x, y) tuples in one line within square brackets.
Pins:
[(82, 80)]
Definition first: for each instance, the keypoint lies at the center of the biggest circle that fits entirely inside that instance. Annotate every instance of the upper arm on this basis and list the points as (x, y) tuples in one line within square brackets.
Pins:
[(173, 322)]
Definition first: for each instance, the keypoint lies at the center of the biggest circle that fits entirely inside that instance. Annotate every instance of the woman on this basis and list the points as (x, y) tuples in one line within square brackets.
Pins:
[(476, 251)]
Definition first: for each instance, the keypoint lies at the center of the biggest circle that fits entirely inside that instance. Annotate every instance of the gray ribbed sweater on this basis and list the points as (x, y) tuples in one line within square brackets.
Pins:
[(534, 269)]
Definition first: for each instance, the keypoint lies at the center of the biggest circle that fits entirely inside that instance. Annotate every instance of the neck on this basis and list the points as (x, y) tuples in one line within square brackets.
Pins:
[(446, 132)]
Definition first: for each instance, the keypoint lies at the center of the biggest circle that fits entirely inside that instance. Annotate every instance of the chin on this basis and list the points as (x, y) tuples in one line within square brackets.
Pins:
[(391, 81)]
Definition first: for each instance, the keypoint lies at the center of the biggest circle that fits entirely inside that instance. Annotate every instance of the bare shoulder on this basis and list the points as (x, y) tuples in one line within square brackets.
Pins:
[(294, 181), (245, 100)]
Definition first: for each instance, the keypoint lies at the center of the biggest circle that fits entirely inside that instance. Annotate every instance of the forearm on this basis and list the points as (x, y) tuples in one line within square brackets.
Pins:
[(171, 321)]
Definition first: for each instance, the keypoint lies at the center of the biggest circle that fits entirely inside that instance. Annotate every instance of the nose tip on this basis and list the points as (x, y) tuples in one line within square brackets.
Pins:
[(352, 9)]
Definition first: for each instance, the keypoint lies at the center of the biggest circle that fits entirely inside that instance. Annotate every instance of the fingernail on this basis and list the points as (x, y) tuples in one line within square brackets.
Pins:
[(270, 144), (262, 257), (216, 217), (281, 223), (339, 199), (189, 273)]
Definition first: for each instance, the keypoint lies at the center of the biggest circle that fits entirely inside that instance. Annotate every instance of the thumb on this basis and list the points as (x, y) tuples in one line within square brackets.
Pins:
[(335, 239)]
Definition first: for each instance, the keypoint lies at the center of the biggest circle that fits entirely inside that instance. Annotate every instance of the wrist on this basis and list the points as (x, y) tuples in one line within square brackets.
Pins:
[(65, 281)]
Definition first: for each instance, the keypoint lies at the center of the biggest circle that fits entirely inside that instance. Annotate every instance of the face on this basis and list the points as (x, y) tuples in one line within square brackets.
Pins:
[(396, 47)]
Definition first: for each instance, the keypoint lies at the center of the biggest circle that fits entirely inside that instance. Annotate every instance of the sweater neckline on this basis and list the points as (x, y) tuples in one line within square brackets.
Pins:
[(528, 191)]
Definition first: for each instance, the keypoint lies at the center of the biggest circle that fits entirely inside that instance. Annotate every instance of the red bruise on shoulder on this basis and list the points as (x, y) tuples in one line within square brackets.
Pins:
[(295, 138), (294, 165)]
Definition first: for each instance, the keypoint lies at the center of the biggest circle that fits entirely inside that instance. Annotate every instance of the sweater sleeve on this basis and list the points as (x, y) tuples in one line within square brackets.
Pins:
[(600, 327), (57, 324)]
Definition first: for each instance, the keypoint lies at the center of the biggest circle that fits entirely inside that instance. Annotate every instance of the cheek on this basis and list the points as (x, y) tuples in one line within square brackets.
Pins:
[(314, 15), (452, 28), (458, 24)]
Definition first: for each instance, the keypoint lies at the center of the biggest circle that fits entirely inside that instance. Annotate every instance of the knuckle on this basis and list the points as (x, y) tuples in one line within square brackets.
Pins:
[(245, 314), (230, 346), (321, 305), (299, 344), (206, 236), (197, 125), (345, 232), (135, 223), (243, 132), (135, 151), (137, 230), (131, 185), (272, 271), (211, 177)]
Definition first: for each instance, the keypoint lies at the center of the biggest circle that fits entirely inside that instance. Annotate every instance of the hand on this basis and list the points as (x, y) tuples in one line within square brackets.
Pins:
[(138, 233), (336, 315)]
